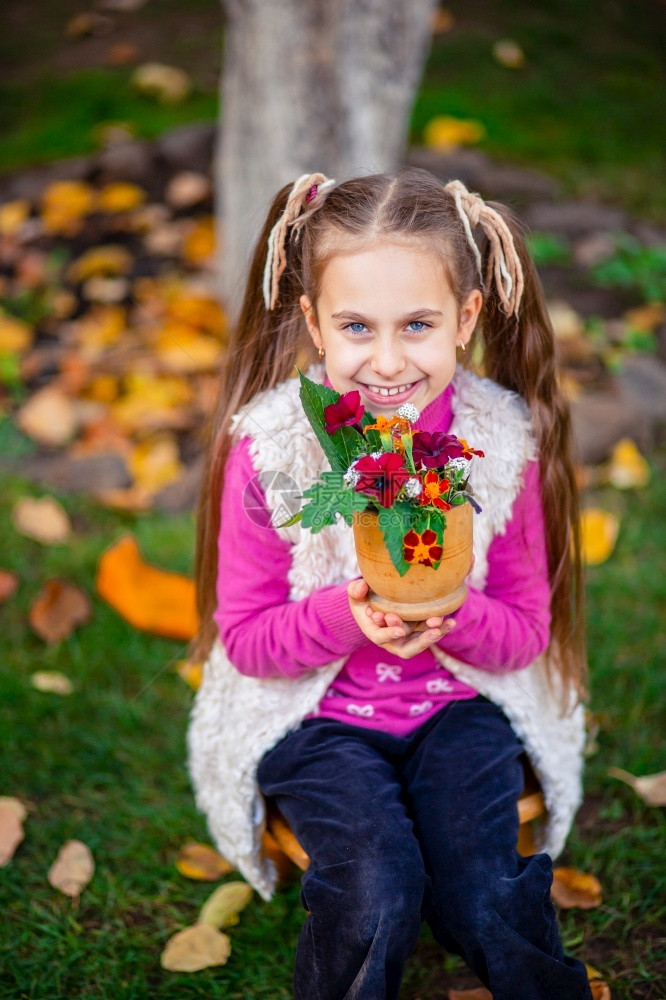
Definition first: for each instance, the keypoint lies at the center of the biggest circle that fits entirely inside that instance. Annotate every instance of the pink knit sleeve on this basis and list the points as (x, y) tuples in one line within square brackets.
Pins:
[(506, 626), (264, 633)]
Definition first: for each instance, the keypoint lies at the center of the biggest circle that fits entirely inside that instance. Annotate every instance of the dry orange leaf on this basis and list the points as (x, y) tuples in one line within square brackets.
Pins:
[(130, 498), (444, 132), (201, 862), (194, 948), (651, 787), (199, 311), (151, 402), (271, 849), (12, 814), (477, 993), (442, 21), (120, 197), (192, 673), (182, 349), (572, 888), (43, 520), (627, 469), (15, 335), (599, 530), (646, 317), (49, 416), (99, 328), (58, 609), (8, 584), (155, 462), (72, 869), (108, 260), (151, 599), (600, 990), (51, 682)]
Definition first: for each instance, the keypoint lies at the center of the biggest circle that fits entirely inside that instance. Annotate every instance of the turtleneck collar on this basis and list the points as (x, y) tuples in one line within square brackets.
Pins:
[(436, 416)]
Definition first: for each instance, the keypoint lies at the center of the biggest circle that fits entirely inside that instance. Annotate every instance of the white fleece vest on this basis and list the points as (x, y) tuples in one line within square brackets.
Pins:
[(235, 719)]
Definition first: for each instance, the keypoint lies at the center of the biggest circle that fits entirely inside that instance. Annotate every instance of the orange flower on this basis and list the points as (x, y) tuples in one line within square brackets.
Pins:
[(433, 488)]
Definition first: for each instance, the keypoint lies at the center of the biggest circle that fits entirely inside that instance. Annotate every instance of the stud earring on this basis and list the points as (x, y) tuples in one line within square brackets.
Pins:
[(322, 352)]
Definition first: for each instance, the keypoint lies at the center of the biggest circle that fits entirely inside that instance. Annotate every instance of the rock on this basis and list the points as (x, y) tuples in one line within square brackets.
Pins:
[(642, 381), (514, 184), (124, 161), (592, 249), (601, 419), (479, 173), (77, 475), (466, 165), (30, 183), (574, 218), (189, 147), (182, 494)]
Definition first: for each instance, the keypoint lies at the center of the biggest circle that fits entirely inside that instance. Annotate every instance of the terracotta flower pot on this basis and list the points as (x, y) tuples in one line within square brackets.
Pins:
[(422, 592)]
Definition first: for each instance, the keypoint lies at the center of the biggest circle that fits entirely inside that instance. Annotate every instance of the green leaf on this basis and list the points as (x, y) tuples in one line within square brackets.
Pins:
[(340, 448), (328, 498), (394, 523)]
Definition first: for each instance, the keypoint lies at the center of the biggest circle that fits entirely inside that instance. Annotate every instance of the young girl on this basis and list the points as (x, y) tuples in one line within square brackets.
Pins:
[(395, 753)]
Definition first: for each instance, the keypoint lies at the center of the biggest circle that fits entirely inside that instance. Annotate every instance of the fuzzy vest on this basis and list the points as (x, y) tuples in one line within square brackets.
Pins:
[(236, 718)]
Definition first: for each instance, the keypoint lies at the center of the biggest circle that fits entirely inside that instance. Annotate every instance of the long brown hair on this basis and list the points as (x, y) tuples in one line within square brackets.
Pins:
[(412, 208)]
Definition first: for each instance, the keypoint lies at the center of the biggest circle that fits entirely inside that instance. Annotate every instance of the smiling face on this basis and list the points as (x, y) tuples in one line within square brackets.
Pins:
[(387, 319)]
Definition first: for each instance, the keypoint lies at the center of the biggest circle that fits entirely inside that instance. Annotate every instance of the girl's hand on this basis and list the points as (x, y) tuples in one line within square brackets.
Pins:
[(404, 639)]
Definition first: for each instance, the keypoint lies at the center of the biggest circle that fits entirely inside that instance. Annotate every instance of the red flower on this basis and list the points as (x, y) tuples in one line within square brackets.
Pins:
[(421, 548), (433, 488), (347, 411), (435, 450), (381, 478)]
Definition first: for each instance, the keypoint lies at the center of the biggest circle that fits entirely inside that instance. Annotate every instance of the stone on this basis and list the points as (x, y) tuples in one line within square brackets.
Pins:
[(182, 494), (189, 147), (575, 217), (77, 475), (601, 419), (124, 161), (593, 249), (30, 183), (642, 380)]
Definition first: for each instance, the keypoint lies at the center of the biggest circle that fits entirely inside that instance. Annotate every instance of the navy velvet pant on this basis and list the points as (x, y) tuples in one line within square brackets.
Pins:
[(423, 827)]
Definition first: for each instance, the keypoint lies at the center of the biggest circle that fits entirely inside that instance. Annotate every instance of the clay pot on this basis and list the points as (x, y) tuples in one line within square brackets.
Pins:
[(422, 592)]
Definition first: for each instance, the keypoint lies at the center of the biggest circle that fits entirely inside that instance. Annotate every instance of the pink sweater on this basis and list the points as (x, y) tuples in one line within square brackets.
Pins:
[(503, 627)]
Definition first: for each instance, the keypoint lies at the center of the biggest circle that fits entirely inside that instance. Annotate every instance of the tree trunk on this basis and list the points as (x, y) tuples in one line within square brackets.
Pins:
[(309, 85)]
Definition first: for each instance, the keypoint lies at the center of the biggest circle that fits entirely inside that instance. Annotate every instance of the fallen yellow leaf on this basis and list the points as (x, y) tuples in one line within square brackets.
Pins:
[(15, 335), (105, 260), (12, 814), (155, 462), (51, 682), (152, 402), (477, 993), (199, 244), (627, 469), (42, 520), (201, 862), (198, 310), (444, 132), (651, 787), (12, 216), (192, 673), (120, 197), (196, 947), (72, 869), (64, 204), (58, 609), (149, 598), (221, 909), (167, 84), (599, 531), (600, 990), (183, 349), (573, 888)]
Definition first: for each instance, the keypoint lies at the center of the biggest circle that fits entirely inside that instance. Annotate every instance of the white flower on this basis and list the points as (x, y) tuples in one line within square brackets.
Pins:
[(351, 476), (408, 412), (376, 454), (413, 488), (459, 463)]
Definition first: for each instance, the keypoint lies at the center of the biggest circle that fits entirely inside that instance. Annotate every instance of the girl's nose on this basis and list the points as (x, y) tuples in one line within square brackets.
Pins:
[(387, 361)]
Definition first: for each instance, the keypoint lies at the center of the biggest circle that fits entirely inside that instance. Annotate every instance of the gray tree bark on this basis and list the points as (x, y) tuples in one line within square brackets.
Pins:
[(309, 85)]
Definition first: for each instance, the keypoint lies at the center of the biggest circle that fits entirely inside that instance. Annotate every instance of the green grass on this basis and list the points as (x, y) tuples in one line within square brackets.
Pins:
[(107, 766)]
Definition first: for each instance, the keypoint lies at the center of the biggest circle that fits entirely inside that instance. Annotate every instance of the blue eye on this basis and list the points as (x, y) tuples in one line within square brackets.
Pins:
[(417, 322), (350, 326)]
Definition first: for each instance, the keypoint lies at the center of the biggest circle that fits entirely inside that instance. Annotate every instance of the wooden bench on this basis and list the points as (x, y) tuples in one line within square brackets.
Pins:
[(279, 837)]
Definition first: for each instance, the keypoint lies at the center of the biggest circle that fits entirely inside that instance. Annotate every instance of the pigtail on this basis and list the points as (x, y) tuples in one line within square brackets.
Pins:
[(269, 339), (520, 354)]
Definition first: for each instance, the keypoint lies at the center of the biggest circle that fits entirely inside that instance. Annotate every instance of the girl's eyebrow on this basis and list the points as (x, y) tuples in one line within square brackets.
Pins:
[(416, 314)]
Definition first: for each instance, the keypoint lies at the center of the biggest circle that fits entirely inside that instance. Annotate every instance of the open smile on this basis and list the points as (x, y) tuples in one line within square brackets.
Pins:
[(397, 394)]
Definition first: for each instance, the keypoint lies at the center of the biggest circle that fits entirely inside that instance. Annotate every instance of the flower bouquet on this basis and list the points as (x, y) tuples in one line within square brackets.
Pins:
[(405, 491)]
